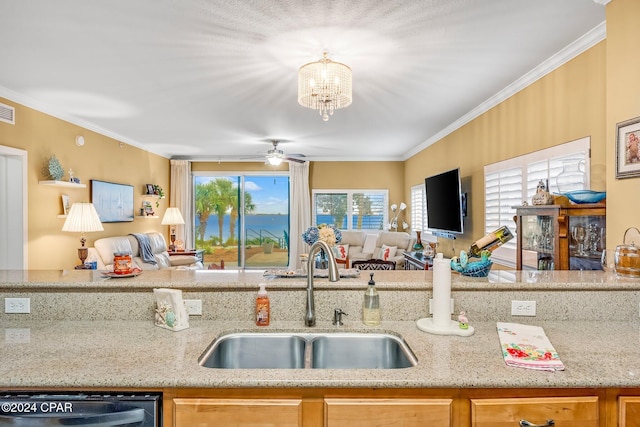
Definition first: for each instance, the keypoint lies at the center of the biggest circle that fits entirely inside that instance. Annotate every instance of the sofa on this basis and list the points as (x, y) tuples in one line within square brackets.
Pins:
[(363, 246), (103, 250)]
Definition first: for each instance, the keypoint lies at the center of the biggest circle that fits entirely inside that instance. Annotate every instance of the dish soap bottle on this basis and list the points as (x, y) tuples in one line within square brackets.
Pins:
[(371, 306), (263, 309)]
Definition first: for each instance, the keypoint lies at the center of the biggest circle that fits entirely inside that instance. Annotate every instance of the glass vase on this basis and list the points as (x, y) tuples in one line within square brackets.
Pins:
[(418, 247), (572, 176)]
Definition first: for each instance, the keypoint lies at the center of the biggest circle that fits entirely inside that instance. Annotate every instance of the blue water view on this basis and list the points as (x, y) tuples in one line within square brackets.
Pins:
[(369, 222), (275, 226)]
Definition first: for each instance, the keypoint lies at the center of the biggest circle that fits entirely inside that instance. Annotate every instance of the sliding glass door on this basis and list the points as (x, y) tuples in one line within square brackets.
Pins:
[(242, 220)]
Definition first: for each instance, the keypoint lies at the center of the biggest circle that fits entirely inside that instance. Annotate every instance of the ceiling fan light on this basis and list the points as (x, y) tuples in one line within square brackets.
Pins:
[(274, 160)]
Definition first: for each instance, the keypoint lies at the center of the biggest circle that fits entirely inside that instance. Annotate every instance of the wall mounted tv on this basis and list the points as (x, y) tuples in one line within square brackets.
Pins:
[(446, 204)]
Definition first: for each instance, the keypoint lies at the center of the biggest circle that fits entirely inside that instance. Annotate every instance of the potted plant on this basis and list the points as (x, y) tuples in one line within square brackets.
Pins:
[(267, 245), (157, 190)]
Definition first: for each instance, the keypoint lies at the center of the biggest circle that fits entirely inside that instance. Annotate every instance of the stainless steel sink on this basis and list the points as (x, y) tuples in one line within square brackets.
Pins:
[(299, 350), (255, 351), (360, 351)]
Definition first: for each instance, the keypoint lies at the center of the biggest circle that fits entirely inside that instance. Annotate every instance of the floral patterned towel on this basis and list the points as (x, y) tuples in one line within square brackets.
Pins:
[(527, 346)]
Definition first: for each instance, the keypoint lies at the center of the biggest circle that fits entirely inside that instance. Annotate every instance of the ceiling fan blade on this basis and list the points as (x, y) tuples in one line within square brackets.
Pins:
[(294, 159)]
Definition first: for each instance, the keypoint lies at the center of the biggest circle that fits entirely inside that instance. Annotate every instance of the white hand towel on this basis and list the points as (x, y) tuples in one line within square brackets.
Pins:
[(527, 346)]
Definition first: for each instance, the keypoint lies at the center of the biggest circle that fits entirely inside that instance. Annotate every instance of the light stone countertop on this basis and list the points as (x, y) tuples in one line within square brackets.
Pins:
[(138, 354), (238, 279), (590, 317)]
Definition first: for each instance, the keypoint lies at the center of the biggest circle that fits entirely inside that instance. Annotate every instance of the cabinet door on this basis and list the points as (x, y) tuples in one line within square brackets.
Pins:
[(629, 411), (386, 412), (563, 411), (237, 412)]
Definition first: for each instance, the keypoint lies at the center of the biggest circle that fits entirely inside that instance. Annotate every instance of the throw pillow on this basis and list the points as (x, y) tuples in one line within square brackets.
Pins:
[(387, 252), (341, 251)]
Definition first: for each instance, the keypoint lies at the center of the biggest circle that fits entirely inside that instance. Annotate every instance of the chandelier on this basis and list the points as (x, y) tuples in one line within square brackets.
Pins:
[(325, 86)]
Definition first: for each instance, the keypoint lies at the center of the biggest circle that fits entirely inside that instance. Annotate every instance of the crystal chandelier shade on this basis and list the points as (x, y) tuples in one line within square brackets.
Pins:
[(324, 86)]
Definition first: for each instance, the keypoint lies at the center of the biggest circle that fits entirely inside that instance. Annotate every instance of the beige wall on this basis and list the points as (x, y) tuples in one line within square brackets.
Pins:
[(585, 97), (623, 103), (100, 158), (565, 105), (360, 175)]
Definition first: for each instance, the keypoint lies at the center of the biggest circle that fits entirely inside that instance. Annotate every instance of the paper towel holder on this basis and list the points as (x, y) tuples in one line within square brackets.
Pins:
[(426, 324)]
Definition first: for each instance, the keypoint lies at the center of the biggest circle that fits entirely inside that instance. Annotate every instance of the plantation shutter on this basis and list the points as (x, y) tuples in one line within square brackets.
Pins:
[(418, 207)]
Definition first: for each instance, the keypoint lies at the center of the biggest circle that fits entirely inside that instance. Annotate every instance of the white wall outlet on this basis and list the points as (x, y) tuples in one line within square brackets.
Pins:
[(431, 305), (17, 305), (17, 335), (194, 307), (523, 308)]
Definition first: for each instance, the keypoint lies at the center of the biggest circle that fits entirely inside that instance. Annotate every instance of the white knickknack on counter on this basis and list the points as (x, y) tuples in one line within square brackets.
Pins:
[(171, 312)]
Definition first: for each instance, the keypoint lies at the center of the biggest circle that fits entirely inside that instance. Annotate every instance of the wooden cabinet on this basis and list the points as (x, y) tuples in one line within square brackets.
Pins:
[(629, 411), (555, 237), (193, 412), (384, 412), (539, 411), (328, 407)]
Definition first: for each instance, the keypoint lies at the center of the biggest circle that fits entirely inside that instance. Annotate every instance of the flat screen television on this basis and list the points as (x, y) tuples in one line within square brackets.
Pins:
[(445, 204)]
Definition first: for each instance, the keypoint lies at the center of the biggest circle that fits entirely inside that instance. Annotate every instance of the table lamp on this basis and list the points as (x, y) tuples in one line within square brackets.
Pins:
[(172, 217), (82, 218)]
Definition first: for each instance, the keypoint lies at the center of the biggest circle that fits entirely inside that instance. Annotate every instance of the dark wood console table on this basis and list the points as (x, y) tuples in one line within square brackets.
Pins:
[(417, 261)]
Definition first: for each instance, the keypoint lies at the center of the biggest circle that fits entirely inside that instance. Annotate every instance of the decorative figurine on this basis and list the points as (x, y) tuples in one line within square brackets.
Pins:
[(463, 322), (542, 196)]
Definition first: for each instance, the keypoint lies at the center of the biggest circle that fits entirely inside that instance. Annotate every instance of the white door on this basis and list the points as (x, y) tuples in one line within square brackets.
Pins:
[(13, 209)]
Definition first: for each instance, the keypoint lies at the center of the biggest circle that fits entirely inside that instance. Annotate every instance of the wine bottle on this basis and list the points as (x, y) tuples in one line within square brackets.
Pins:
[(491, 241)]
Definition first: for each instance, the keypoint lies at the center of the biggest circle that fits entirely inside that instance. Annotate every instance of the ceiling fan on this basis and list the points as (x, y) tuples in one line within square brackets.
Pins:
[(275, 156)]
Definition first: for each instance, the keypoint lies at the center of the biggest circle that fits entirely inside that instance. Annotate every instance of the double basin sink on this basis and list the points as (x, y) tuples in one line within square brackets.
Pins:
[(302, 350)]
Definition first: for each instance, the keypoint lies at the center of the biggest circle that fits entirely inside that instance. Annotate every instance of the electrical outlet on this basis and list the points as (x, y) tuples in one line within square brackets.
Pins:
[(17, 335), (523, 308), (194, 306), (431, 305), (17, 305)]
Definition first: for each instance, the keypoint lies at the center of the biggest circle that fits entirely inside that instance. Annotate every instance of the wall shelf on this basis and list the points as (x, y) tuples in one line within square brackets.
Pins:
[(147, 217), (153, 196), (62, 184), (62, 216)]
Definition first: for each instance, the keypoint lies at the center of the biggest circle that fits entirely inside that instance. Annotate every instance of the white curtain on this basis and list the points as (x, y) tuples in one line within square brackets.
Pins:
[(182, 198), (300, 211)]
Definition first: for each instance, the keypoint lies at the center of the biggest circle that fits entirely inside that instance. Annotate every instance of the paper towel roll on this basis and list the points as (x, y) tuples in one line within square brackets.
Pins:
[(441, 291)]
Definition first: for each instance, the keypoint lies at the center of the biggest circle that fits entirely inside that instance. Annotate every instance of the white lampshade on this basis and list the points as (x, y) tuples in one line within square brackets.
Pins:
[(172, 216), (82, 218)]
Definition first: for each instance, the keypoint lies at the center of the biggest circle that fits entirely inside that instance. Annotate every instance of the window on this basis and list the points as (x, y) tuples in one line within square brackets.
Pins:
[(242, 218), (351, 209), (418, 207), (510, 182)]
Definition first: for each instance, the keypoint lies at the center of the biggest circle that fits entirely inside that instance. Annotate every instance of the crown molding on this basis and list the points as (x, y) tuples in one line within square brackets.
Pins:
[(52, 111), (579, 46), (603, 2)]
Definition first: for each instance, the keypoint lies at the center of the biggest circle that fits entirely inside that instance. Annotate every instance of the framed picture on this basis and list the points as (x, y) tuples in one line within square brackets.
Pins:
[(113, 202), (628, 149), (66, 204), (150, 189)]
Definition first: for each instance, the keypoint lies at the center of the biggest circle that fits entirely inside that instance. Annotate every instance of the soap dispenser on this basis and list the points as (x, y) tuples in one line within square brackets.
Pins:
[(263, 309), (371, 305)]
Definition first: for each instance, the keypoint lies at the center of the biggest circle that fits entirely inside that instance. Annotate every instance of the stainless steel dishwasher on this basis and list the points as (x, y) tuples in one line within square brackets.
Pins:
[(36, 409)]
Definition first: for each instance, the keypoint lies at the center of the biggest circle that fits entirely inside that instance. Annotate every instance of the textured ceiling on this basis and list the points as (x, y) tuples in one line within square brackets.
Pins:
[(215, 79)]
